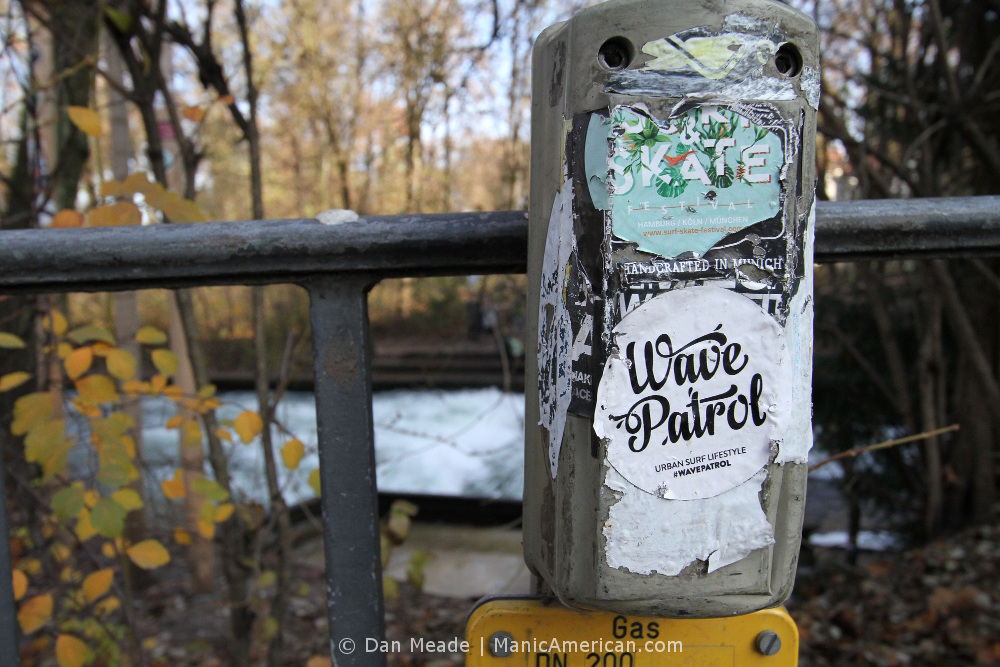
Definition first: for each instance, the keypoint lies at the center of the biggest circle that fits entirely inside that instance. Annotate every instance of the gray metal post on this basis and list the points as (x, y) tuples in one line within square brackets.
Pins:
[(8, 611), (339, 315)]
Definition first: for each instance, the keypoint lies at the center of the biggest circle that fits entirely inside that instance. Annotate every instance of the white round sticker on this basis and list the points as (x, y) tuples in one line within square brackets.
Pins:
[(696, 395)]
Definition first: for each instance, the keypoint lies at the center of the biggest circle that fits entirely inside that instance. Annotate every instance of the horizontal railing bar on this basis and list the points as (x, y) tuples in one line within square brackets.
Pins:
[(907, 228), (286, 251), (260, 251)]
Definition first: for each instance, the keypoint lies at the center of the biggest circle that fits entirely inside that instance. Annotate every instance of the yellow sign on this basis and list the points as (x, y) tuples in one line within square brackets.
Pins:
[(509, 632)]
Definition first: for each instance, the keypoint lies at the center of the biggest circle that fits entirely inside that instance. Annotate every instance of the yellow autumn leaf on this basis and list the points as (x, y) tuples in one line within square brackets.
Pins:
[(91, 333), (138, 183), (10, 341), (207, 406), (72, 652), (206, 529), (157, 383), (292, 453), (12, 380), (193, 113), (97, 389), (78, 362), (174, 392), (84, 529), (108, 549), (102, 349), (165, 362), (223, 435), (183, 210), (175, 421), (181, 536), (148, 335), (107, 605), (174, 488), (55, 322), (134, 387), (20, 584), (314, 481), (119, 214), (319, 661), (121, 364), (268, 629), (88, 410), (390, 588), (30, 566), (31, 410), (248, 425), (191, 434), (35, 613), (148, 554), (112, 188), (160, 197), (86, 120), (43, 438), (97, 584), (66, 219), (128, 498), (223, 512)]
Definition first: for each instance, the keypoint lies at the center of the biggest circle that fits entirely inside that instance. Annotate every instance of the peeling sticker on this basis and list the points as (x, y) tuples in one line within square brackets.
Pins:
[(645, 535), (596, 158), (555, 331), (684, 184), (741, 49), (337, 216), (697, 393), (811, 84), (798, 441), (705, 67)]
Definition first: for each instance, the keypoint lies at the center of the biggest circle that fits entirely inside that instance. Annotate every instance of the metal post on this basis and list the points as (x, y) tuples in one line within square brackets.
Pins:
[(339, 315), (8, 611)]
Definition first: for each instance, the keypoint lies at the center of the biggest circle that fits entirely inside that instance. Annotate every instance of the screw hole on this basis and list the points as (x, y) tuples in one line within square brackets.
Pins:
[(788, 60), (615, 54)]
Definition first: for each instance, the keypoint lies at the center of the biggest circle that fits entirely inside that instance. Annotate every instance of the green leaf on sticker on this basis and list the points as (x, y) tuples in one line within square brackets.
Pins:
[(723, 180), (675, 187)]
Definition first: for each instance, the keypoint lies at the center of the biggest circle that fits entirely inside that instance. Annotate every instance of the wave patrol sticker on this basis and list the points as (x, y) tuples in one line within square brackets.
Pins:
[(696, 400)]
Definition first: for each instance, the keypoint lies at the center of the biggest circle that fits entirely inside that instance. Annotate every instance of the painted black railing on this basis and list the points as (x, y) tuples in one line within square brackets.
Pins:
[(338, 264)]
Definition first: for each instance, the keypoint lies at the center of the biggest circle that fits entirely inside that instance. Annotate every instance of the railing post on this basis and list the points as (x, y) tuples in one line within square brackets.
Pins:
[(355, 610), (8, 610)]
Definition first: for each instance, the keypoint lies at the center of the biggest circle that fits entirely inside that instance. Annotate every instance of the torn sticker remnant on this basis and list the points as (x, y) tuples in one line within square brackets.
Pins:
[(555, 329), (644, 535)]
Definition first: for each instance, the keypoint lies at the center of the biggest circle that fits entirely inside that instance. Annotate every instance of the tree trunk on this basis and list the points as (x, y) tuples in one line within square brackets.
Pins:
[(126, 304), (201, 552)]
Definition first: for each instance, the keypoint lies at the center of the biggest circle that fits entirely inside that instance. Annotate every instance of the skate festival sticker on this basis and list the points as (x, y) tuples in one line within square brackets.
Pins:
[(684, 184), (696, 399)]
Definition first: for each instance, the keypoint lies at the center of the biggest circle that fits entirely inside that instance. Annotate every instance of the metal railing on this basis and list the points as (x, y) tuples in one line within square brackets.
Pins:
[(338, 264)]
